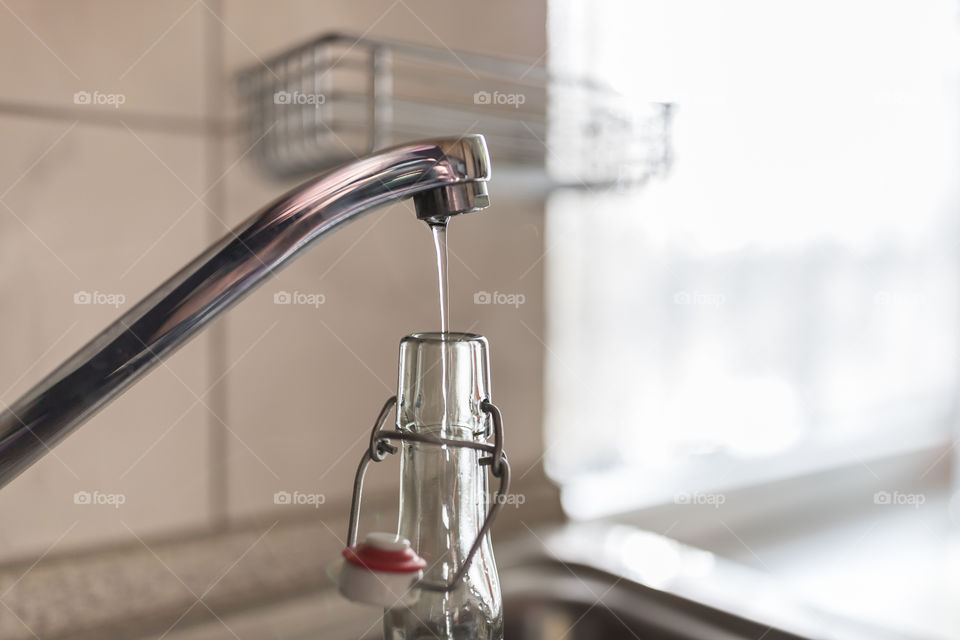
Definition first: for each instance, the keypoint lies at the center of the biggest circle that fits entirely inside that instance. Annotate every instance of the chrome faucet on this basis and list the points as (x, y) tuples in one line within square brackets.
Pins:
[(445, 177)]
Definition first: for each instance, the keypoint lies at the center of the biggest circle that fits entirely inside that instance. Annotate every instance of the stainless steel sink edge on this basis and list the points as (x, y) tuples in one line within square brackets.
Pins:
[(613, 579)]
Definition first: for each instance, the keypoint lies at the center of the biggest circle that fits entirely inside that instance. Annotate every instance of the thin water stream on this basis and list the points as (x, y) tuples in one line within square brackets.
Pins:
[(440, 244), (439, 230)]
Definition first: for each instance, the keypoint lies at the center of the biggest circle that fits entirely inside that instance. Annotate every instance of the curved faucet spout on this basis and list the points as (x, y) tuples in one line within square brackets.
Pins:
[(445, 177)]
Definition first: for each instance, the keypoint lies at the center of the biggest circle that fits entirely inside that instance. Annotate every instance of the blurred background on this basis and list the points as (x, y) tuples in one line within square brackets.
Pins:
[(719, 278)]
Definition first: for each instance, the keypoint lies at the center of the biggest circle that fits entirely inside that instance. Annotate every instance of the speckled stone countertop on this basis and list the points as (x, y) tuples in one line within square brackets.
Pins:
[(157, 586)]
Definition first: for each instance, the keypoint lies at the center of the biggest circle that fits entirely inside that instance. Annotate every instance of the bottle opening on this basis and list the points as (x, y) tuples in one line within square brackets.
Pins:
[(445, 336), (444, 378)]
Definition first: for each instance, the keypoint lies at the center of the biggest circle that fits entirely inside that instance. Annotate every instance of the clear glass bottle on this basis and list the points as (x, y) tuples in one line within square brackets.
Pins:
[(444, 377)]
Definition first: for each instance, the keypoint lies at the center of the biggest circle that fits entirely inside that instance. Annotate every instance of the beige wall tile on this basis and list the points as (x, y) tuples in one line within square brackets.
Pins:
[(150, 52), (97, 209), (497, 27)]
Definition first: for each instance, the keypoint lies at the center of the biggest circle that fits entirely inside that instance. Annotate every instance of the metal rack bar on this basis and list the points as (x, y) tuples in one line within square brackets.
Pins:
[(337, 96)]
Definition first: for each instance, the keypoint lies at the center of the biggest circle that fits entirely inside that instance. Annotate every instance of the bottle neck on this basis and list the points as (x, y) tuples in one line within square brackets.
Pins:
[(443, 382), (443, 500)]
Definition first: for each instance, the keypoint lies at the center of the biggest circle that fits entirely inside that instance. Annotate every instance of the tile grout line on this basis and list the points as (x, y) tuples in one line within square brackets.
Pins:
[(217, 472), (172, 124)]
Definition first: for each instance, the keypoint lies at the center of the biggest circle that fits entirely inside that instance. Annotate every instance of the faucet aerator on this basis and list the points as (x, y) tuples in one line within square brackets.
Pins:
[(436, 205)]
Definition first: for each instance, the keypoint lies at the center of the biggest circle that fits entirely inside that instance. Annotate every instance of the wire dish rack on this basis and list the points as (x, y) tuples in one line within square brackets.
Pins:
[(338, 97)]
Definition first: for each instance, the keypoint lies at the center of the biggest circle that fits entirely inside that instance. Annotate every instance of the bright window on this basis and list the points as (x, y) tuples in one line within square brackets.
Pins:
[(787, 298)]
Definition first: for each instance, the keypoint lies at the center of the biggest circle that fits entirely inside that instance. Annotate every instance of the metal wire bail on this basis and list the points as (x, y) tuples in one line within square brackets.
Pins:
[(380, 447)]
